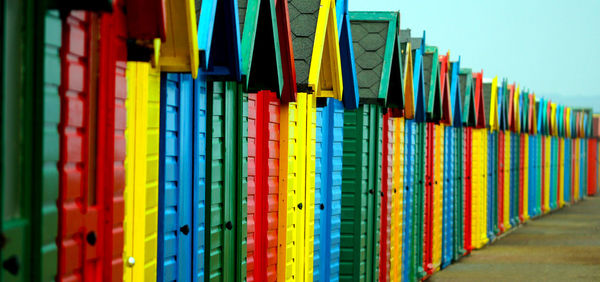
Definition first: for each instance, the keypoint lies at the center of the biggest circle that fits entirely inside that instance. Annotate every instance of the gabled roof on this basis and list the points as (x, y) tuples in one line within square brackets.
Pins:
[(502, 122), (481, 117), (179, 52), (316, 47), (587, 122), (377, 56), (261, 58), (288, 91), (445, 90), (407, 66), (548, 118), (532, 114), (419, 78), (553, 123), (490, 97), (469, 117), (350, 94), (455, 94), (516, 109), (219, 38), (510, 103), (543, 119), (524, 111), (596, 126), (566, 119), (433, 91), (560, 124)]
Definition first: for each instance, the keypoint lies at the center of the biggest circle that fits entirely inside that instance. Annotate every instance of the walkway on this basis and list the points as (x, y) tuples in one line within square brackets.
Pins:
[(562, 246)]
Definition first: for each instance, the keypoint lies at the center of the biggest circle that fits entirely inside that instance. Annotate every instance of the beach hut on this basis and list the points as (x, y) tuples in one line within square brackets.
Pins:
[(553, 157), (377, 57), (448, 162), (513, 156), (432, 194), (567, 155), (200, 226), (490, 108), (329, 154), (458, 165), (262, 67), (524, 156), (547, 153), (508, 164), (419, 146), (142, 128), (561, 156), (534, 156), (433, 203), (596, 135), (92, 144), (409, 155), (30, 147), (502, 126), (479, 166), (314, 34), (469, 120)]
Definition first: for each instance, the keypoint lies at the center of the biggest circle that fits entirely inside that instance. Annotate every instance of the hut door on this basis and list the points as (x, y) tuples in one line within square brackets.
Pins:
[(13, 210)]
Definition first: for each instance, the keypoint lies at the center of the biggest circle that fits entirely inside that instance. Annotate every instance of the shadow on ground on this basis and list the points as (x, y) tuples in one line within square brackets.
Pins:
[(562, 246)]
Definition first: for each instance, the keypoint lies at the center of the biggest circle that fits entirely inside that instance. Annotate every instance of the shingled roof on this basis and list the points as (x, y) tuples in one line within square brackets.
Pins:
[(446, 117), (481, 117), (524, 110), (377, 55), (487, 86), (433, 89), (407, 66), (288, 91), (316, 47), (219, 38), (261, 59), (469, 117)]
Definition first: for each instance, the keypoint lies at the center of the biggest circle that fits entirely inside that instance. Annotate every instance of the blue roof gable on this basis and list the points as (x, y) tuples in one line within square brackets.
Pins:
[(419, 86), (455, 95), (219, 39), (350, 96)]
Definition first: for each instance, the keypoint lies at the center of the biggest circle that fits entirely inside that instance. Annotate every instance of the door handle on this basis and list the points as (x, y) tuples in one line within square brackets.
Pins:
[(91, 238), (130, 261), (322, 206), (229, 225), (185, 229), (12, 265), (300, 206)]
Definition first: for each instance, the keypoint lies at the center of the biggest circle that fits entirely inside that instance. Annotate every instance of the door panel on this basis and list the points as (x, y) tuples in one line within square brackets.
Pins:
[(226, 192), (397, 223), (78, 203), (175, 174)]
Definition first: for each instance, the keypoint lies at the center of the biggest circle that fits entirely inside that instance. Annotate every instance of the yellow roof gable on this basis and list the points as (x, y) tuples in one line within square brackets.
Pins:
[(409, 99), (179, 53), (325, 74)]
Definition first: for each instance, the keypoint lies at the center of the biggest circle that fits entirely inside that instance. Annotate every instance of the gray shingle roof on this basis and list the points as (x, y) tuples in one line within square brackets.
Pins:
[(242, 5), (303, 22), (369, 39), (487, 98)]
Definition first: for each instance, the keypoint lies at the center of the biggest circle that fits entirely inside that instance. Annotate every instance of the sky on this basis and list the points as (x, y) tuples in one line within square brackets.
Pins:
[(549, 47)]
